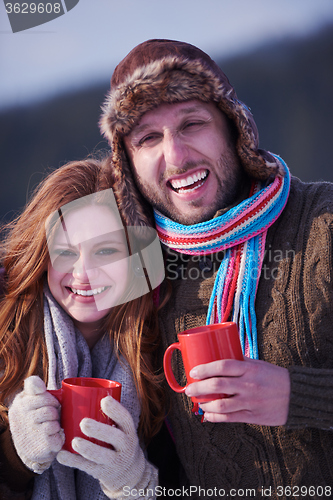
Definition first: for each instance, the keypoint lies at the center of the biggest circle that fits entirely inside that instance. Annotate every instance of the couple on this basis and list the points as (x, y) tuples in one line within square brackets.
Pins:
[(186, 147)]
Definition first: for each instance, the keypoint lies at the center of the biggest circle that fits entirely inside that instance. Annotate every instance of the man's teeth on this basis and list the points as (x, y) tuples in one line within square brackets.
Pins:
[(88, 293), (188, 181)]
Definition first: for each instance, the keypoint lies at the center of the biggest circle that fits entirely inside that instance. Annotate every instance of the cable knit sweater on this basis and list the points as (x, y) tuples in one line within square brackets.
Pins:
[(294, 308)]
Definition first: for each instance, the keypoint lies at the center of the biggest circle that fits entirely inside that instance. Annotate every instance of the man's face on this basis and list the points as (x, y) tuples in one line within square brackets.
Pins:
[(184, 160)]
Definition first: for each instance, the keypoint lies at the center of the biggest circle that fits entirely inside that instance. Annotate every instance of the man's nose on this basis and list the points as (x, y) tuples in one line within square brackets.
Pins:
[(175, 150)]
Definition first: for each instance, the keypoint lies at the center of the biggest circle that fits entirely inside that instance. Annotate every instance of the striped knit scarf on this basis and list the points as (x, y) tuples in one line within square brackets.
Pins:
[(241, 233)]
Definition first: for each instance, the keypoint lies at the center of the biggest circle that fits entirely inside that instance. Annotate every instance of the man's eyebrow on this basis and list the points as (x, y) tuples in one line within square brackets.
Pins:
[(192, 109), (183, 111), (139, 128)]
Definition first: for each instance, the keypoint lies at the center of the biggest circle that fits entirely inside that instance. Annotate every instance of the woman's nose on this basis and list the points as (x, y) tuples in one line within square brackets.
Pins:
[(79, 270), (85, 268)]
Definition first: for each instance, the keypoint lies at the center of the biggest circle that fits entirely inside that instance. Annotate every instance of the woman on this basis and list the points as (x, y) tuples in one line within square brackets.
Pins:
[(76, 305)]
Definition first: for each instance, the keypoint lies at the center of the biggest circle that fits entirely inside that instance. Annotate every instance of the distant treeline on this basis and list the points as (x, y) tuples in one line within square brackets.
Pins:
[(288, 86)]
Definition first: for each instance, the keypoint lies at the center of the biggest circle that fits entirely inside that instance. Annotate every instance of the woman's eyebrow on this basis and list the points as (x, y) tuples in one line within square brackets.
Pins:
[(63, 245), (110, 241)]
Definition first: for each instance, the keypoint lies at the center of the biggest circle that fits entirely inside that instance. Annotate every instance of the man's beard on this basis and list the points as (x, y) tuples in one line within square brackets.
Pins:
[(228, 191)]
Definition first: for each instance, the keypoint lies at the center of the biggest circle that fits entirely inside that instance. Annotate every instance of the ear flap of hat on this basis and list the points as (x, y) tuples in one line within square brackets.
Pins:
[(136, 210)]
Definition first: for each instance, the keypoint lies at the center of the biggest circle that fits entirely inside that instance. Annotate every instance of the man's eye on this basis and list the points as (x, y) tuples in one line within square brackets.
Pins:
[(148, 139), (192, 125)]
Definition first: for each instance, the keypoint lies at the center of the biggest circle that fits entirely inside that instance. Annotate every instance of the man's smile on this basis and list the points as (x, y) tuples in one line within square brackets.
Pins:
[(190, 182)]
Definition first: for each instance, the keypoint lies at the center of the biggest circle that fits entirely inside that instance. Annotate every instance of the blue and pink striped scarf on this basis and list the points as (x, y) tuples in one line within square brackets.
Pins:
[(241, 233)]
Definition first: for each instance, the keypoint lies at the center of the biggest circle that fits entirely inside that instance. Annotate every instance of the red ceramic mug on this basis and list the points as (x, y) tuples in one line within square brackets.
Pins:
[(202, 345), (80, 397)]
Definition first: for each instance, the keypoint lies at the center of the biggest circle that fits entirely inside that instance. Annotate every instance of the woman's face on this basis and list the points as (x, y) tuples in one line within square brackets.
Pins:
[(88, 267)]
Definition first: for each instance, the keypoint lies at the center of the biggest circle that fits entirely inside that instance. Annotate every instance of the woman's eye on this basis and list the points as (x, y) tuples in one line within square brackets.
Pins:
[(107, 251), (65, 253)]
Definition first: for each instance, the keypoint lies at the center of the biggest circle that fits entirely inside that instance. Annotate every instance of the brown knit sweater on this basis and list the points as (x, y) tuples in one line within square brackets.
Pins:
[(294, 308)]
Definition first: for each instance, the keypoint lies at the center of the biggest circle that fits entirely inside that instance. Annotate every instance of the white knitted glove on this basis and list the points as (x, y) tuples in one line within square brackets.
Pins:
[(122, 471), (34, 425)]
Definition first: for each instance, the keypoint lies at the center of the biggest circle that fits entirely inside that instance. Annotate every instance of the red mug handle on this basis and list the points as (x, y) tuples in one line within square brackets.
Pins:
[(57, 393), (168, 370)]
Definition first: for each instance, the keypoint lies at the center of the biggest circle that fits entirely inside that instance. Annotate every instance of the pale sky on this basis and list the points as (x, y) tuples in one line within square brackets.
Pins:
[(84, 45)]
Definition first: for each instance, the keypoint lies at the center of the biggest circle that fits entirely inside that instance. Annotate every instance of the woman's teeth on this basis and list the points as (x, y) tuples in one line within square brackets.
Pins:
[(191, 182), (88, 293)]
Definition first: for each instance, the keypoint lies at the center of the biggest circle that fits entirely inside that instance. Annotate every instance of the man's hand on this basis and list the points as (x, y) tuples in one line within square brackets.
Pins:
[(258, 391)]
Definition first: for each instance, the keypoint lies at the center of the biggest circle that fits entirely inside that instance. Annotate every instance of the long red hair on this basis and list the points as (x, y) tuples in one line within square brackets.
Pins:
[(132, 327)]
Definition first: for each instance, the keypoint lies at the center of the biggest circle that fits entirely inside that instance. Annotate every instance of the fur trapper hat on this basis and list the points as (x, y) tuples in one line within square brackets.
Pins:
[(166, 71)]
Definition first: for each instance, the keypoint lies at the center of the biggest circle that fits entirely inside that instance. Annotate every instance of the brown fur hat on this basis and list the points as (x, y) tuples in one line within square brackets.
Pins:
[(167, 71)]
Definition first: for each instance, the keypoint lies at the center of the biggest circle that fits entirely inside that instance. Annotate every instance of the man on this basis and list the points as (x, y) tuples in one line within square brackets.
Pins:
[(242, 244)]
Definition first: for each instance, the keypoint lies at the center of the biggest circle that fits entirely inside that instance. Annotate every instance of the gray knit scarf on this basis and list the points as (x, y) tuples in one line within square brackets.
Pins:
[(69, 356)]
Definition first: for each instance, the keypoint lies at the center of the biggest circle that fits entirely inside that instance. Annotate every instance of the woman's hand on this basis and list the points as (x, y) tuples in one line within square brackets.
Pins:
[(34, 425), (121, 470)]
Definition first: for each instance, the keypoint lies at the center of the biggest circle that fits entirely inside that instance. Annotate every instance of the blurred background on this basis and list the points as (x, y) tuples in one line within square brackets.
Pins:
[(278, 55)]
